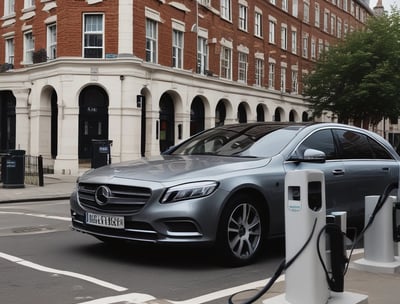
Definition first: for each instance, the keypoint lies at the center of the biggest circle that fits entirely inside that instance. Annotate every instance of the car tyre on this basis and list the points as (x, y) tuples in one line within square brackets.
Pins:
[(242, 231)]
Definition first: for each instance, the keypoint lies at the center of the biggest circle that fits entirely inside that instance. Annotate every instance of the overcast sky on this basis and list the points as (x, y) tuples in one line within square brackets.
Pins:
[(386, 3)]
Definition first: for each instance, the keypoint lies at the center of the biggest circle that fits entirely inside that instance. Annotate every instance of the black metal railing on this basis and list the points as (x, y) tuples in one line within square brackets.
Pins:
[(34, 170), (30, 170)]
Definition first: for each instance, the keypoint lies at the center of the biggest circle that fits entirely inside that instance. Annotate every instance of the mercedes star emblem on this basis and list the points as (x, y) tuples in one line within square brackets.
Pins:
[(102, 195)]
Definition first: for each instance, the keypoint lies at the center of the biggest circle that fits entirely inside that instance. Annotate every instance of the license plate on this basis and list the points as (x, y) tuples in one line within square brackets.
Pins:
[(102, 220)]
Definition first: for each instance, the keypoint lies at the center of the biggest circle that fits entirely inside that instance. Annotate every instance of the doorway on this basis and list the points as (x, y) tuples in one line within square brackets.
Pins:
[(93, 119), (196, 116), (7, 120), (167, 122)]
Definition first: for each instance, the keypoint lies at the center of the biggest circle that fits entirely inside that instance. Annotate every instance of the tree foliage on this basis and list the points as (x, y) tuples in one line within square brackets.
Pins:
[(359, 78)]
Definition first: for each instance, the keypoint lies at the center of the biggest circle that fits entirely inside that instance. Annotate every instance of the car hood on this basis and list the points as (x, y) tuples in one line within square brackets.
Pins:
[(171, 168)]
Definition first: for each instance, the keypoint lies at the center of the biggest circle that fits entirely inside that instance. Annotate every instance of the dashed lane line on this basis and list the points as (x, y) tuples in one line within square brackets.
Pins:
[(38, 267)]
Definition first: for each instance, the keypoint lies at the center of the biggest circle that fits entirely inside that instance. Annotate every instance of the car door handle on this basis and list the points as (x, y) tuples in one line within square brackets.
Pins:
[(386, 169), (338, 172)]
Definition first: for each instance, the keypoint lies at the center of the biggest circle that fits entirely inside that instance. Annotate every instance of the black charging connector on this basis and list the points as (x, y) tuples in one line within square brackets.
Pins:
[(338, 258)]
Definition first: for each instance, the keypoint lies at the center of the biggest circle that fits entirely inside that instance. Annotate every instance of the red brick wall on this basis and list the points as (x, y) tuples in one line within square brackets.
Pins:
[(70, 17), (70, 25)]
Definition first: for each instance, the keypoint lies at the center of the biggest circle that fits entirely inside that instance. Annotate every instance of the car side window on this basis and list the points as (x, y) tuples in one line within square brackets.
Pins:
[(379, 151), (354, 145), (321, 140)]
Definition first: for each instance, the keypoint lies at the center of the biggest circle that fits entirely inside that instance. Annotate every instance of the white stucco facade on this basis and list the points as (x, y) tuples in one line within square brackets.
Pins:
[(123, 79)]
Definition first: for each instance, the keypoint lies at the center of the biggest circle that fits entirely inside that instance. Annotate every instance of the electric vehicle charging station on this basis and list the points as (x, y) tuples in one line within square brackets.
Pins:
[(380, 240), (305, 217)]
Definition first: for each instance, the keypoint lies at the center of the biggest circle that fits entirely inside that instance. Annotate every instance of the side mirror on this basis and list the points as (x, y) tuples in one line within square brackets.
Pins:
[(312, 155), (309, 155)]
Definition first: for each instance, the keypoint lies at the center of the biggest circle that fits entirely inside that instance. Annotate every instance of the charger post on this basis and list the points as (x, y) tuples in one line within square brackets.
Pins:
[(305, 279), (304, 204)]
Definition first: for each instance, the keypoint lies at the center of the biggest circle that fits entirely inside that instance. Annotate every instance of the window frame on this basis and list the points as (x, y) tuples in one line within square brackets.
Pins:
[(87, 33), (29, 47), (202, 55), (151, 41), (9, 7), (306, 11), (177, 48), (258, 29), (294, 41), (243, 16), (295, 81), (9, 50), (243, 63), (317, 15), (305, 46), (51, 41), (272, 31), (285, 5), (226, 63), (29, 4), (283, 79), (226, 9), (271, 75), (284, 40), (259, 72)]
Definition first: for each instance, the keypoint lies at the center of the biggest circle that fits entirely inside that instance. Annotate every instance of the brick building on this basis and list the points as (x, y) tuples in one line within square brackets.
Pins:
[(148, 73)]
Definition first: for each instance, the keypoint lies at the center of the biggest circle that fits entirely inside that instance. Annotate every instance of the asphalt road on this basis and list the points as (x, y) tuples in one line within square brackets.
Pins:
[(43, 261)]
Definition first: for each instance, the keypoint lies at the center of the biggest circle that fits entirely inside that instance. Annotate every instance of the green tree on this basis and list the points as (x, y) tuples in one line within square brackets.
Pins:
[(359, 78)]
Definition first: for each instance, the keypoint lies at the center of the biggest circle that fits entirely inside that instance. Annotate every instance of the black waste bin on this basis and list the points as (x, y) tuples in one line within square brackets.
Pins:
[(101, 152), (13, 169)]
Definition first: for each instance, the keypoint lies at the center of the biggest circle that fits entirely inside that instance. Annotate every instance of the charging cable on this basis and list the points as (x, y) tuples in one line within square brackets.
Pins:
[(381, 201), (335, 278), (282, 267), (331, 280)]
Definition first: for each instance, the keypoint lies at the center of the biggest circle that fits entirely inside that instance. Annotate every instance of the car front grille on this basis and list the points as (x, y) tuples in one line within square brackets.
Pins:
[(121, 200)]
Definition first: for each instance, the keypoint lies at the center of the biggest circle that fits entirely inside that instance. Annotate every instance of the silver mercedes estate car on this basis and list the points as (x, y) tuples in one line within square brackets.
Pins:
[(225, 186)]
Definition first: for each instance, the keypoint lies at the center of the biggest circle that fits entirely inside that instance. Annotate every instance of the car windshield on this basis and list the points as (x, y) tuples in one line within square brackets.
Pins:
[(240, 140)]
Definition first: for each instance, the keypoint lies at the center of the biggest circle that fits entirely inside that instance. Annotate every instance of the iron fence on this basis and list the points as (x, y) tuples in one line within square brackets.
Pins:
[(34, 170)]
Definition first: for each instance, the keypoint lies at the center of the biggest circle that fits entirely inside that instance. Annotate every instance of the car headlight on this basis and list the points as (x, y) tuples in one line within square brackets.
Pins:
[(189, 191)]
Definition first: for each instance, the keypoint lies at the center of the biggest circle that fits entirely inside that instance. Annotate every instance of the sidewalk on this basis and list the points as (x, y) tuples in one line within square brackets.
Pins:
[(380, 288), (55, 187)]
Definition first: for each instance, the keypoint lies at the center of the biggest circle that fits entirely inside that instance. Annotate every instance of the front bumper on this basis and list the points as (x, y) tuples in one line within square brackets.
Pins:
[(193, 221)]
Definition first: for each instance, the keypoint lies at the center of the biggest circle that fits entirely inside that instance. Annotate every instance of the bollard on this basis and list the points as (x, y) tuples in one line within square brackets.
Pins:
[(379, 247), (40, 171)]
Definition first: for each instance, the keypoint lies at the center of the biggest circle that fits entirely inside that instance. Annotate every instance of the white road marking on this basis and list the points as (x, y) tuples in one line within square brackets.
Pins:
[(35, 266), (126, 298), (227, 292), (137, 298), (53, 217), (18, 205), (140, 298)]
